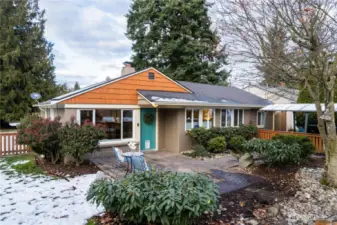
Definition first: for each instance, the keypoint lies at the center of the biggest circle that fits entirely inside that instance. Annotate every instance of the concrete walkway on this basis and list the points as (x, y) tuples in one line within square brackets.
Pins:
[(216, 168)]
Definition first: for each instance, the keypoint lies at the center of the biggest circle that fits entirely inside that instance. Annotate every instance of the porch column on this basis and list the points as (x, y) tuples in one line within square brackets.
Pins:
[(273, 120), (306, 122), (294, 121)]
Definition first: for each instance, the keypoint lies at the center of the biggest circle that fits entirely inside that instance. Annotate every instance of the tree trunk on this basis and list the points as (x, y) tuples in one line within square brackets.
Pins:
[(331, 163)]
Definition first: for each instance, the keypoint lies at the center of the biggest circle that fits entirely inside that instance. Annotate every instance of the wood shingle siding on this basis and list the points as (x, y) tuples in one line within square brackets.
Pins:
[(124, 91)]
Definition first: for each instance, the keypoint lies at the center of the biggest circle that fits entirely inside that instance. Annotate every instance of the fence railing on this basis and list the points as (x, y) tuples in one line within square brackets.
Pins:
[(315, 138), (9, 145)]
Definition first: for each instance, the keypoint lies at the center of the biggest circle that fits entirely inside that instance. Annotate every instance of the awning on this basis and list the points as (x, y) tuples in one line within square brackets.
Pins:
[(293, 107)]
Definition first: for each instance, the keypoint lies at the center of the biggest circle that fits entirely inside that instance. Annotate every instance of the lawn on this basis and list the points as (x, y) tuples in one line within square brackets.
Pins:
[(30, 197)]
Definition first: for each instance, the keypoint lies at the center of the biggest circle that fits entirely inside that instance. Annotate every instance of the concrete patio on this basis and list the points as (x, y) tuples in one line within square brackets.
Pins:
[(216, 168)]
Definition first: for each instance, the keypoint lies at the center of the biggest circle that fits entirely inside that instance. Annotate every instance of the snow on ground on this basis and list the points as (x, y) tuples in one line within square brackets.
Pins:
[(37, 199)]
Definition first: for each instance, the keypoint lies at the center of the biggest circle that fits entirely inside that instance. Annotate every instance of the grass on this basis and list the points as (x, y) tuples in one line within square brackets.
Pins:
[(26, 168), (91, 222)]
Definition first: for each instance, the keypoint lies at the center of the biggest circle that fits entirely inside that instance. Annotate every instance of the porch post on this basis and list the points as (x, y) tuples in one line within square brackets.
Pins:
[(294, 121), (306, 122), (273, 120)]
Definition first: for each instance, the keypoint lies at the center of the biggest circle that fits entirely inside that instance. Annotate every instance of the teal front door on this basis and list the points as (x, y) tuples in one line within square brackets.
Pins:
[(147, 129)]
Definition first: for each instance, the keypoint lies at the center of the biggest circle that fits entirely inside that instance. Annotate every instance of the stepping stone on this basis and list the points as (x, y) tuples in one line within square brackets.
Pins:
[(229, 182)]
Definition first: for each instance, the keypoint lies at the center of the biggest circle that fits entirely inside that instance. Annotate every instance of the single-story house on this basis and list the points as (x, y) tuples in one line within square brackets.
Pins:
[(150, 108), (283, 121)]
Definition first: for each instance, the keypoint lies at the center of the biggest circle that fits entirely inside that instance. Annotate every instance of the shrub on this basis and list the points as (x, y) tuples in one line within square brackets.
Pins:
[(198, 151), (77, 140), (275, 153), (247, 131), (307, 148), (236, 143), (41, 135), (201, 135), (217, 144), (156, 197)]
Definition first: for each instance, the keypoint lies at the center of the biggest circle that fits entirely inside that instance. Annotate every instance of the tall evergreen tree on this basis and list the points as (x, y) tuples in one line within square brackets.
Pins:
[(26, 60), (76, 86), (176, 38)]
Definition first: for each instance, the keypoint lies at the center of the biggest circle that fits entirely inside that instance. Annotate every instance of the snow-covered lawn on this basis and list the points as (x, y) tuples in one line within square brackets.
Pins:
[(39, 199)]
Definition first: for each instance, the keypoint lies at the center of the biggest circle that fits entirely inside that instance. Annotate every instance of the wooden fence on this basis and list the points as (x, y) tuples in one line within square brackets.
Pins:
[(315, 138), (9, 145)]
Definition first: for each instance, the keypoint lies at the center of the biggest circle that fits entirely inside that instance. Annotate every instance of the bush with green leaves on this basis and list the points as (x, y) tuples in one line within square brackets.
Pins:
[(41, 135), (307, 148), (236, 143), (198, 151), (203, 136), (156, 197), (217, 144), (275, 153), (77, 140)]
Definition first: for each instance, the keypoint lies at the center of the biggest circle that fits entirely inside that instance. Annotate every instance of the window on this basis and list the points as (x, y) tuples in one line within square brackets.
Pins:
[(127, 124), (118, 123), (111, 121), (232, 117), (86, 116), (261, 119), (151, 76), (195, 118)]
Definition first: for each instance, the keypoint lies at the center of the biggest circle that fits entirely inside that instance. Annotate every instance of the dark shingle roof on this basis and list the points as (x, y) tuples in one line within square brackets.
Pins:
[(205, 94)]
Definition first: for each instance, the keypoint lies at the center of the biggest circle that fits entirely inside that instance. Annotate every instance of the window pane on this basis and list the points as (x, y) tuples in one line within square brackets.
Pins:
[(111, 120), (188, 119), (86, 116), (127, 124), (211, 117), (223, 118), (205, 117), (195, 118), (229, 117), (259, 114), (235, 117), (240, 116)]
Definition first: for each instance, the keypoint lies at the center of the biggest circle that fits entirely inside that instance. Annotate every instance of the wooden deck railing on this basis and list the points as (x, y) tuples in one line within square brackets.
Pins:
[(315, 138), (9, 145)]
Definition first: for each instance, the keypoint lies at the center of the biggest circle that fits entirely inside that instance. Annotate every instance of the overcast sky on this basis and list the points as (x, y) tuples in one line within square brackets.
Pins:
[(89, 39)]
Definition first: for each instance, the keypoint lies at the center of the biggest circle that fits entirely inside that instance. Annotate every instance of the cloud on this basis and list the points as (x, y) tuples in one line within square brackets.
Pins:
[(89, 40)]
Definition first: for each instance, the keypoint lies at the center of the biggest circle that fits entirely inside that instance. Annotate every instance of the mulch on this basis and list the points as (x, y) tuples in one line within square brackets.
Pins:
[(249, 203), (63, 171)]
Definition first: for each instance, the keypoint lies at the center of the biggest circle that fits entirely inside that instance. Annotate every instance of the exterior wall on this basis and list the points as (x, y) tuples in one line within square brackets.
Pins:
[(185, 142), (125, 91), (168, 130)]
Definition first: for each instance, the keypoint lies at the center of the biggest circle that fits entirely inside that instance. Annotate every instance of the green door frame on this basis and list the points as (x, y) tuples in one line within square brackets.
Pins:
[(148, 132)]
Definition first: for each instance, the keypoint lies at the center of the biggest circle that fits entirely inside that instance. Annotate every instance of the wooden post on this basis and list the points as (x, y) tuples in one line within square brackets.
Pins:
[(273, 120), (306, 122), (294, 121)]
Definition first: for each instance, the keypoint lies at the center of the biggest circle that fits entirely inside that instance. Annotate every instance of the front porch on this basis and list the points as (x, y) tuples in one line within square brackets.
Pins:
[(218, 169)]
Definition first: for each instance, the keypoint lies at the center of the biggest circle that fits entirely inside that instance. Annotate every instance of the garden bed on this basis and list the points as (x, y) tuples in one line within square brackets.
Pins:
[(69, 170), (261, 203)]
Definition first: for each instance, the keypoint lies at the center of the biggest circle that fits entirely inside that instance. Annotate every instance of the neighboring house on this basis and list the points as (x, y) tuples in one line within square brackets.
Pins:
[(154, 110), (284, 121)]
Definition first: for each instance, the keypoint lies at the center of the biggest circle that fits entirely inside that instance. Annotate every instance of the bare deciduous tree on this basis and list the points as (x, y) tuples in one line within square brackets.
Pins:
[(296, 41)]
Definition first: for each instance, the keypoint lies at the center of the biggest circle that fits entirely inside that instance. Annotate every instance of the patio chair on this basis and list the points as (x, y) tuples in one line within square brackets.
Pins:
[(139, 164), (119, 156)]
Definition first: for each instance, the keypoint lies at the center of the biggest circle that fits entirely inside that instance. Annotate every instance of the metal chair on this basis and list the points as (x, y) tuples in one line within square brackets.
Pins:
[(139, 164), (119, 156)]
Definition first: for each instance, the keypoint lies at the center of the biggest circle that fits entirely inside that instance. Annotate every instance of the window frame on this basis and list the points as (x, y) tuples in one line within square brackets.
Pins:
[(200, 118), (78, 120), (232, 117)]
